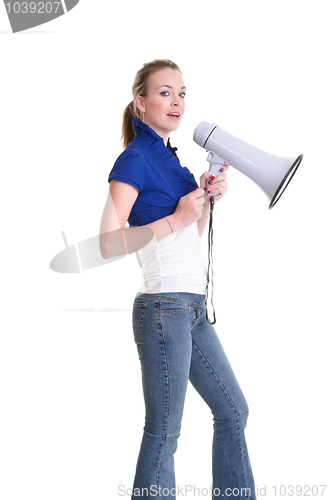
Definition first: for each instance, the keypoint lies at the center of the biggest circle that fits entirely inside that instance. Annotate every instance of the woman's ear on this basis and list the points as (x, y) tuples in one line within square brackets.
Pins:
[(140, 103)]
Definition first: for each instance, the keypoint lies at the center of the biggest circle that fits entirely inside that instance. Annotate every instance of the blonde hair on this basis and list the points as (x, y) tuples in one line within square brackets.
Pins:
[(139, 87)]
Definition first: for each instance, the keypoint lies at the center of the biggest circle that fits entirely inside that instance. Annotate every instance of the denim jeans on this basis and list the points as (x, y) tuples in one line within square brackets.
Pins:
[(175, 343)]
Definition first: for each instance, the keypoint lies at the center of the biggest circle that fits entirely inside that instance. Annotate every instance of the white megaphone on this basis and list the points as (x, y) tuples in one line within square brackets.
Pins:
[(269, 172)]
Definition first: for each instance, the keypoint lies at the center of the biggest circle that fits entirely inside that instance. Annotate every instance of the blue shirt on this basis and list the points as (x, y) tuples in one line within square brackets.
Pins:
[(155, 171)]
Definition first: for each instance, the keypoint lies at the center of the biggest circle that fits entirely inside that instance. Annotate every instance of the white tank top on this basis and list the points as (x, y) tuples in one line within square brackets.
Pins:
[(174, 263)]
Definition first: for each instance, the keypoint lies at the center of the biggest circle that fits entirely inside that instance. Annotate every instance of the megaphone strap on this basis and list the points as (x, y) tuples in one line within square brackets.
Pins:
[(210, 262)]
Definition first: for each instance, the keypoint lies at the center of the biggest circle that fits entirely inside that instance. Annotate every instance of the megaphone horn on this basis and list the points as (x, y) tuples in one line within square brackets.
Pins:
[(271, 173)]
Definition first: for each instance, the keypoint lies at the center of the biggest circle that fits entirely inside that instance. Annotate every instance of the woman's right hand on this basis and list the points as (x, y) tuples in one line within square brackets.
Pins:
[(189, 208)]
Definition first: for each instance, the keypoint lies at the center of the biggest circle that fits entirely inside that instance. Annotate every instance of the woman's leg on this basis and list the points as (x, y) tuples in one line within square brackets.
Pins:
[(213, 378), (162, 331)]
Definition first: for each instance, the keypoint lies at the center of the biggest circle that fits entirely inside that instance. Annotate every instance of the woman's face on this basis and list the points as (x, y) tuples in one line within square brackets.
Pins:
[(164, 105)]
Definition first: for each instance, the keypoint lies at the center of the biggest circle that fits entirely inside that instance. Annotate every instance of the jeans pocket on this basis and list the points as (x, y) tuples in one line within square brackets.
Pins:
[(138, 314), (175, 320), (172, 307)]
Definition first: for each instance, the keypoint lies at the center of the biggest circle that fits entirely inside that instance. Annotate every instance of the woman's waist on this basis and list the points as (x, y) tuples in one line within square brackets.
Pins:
[(178, 254), (187, 298)]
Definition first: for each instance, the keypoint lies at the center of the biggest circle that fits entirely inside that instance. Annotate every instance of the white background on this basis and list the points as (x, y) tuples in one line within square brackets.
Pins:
[(72, 409)]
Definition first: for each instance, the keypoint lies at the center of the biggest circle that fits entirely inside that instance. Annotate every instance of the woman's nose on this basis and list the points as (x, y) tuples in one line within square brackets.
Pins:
[(176, 100)]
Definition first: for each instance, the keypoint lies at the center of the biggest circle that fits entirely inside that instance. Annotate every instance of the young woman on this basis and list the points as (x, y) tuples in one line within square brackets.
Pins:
[(175, 342)]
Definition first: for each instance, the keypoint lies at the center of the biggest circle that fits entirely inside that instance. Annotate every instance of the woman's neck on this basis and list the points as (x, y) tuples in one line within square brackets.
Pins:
[(162, 133)]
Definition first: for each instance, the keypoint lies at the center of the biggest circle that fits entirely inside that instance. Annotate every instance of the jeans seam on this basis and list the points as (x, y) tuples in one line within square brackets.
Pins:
[(196, 318), (158, 305), (174, 311), (167, 400), (244, 413), (143, 305)]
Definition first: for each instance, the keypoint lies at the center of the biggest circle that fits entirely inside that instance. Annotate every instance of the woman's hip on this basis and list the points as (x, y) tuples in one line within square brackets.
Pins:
[(165, 315)]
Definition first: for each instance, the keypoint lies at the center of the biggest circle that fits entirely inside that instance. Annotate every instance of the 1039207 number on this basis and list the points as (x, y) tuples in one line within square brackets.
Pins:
[(32, 7), (299, 490)]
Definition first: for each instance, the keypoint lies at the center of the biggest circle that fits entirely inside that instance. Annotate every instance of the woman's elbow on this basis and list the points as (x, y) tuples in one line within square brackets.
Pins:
[(113, 244), (102, 246)]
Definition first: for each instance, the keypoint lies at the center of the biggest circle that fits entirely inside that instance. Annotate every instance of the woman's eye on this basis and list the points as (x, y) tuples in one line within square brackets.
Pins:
[(166, 93)]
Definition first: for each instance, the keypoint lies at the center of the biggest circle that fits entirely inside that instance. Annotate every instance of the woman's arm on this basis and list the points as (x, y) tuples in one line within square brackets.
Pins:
[(121, 198), (205, 215)]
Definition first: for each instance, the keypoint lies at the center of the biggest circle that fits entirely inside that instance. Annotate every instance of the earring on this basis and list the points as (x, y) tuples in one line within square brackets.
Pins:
[(143, 117)]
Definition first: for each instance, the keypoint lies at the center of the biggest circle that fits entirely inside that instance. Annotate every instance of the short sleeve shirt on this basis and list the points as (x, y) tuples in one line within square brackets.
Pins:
[(155, 171)]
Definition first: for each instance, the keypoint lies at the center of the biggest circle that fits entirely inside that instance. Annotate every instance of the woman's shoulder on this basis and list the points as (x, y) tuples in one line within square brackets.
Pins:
[(129, 167), (132, 153)]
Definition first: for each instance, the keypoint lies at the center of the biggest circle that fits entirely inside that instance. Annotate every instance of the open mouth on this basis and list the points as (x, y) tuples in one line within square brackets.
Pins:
[(174, 115)]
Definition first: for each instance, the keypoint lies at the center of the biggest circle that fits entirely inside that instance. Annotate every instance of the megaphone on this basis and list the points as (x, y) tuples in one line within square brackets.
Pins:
[(271, 173)]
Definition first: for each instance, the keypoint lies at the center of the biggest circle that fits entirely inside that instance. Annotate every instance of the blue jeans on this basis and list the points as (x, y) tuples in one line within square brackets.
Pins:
[(175, 343)]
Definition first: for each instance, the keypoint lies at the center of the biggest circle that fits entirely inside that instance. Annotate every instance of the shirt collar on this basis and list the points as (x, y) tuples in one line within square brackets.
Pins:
[(150, 142), (144, 130)]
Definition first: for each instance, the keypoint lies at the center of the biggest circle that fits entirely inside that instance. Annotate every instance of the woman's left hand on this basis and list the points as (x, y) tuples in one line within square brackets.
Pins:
[(217, 184)]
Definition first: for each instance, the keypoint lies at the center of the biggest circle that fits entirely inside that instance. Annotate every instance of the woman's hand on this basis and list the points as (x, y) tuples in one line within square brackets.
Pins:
[(218, 184), (189, 209)]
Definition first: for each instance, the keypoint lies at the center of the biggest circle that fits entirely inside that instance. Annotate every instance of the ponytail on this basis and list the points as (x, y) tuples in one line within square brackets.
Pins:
[(139, 87), (128, 133)]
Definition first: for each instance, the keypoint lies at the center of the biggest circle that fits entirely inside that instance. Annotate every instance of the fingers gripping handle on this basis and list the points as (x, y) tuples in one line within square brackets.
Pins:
[(216, 163)]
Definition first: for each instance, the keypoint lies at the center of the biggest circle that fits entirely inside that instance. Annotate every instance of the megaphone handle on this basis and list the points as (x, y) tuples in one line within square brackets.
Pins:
[(216, 163), (215, 169)]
